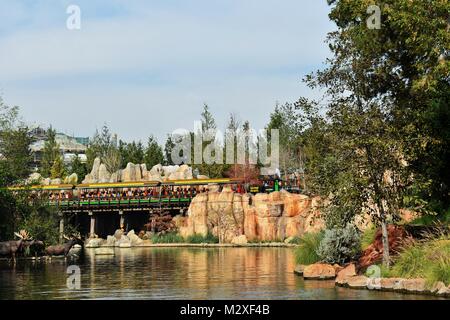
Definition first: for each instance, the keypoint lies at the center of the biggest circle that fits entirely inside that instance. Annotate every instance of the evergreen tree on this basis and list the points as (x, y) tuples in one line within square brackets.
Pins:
[(50, 153), (153, 153), (76, 166), (58, 170)]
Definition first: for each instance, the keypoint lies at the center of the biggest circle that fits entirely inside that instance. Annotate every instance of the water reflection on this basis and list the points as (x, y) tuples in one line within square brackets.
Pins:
[(176, 273)]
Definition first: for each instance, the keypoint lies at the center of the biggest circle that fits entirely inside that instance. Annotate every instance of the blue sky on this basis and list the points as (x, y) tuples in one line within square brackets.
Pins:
[(147, 67)]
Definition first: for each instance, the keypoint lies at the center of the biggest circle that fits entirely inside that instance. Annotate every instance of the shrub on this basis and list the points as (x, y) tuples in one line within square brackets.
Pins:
[(171, 237), (339, 245), (429, 259), (306, 252), (368, 237), (198, 238)]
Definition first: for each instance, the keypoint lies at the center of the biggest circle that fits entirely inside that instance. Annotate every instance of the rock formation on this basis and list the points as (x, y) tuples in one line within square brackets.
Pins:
[(137, 172), (263, 217)]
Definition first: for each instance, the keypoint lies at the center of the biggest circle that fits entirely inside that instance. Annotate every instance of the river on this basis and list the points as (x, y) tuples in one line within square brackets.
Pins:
[(176, 273)]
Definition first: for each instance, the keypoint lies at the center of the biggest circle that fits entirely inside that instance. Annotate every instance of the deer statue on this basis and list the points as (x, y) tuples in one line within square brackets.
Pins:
[(10, 248), (63, 249)]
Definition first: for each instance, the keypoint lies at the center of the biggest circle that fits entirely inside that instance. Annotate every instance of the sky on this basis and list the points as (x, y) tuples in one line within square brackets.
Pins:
[(147, 67)]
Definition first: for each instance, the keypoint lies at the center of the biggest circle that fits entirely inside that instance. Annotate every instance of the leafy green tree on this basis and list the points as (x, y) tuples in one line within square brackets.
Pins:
[(153, 153), (58, 170), (76, 166), (131, 152), (212, 170), (380, 85), (105, 146), (50, 153)]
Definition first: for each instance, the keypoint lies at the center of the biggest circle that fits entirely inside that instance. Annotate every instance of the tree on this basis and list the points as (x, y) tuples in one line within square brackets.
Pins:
[(58, 170), (105, 146), (212, 170), (285, 119), (131, 152), (76, 166), (15, 141), (50, 153), (153, 153), (380, 85)]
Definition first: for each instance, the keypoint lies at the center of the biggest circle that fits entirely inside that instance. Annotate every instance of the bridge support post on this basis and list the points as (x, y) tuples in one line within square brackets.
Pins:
[(122, 220), (61, 227), (92, 228)]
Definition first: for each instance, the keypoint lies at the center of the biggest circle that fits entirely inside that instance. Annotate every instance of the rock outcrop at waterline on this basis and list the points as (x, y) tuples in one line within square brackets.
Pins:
[(261, 217)]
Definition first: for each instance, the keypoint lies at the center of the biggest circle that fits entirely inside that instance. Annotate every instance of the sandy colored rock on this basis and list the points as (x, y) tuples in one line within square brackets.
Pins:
[(299, 269), (72, 179), (414, 285), (239, 240), (357, 282), (56, 181), (103, 175), (344, 274), (390, 283), (320, 271)]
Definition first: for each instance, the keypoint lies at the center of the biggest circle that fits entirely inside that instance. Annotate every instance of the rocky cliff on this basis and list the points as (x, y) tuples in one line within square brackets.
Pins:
[(261, 217)]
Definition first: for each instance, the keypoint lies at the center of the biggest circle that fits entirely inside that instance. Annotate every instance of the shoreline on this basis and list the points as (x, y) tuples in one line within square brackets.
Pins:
[(202, 245)]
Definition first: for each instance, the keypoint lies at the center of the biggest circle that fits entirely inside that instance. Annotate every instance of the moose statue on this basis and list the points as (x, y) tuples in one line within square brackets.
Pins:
[(63, 249), (11, 248)]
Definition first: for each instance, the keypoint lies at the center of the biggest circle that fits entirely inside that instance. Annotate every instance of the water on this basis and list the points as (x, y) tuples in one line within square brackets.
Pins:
[(176, 273)]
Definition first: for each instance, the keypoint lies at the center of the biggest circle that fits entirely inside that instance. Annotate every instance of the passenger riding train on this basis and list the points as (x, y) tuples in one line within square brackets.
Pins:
[(142, 192)]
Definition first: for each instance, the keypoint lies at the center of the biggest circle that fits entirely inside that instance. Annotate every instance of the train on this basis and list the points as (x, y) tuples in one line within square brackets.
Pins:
[(142, 193)]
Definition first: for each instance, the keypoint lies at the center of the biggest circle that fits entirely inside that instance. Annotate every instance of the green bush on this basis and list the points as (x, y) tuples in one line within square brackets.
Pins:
[(368, 237), (171, 237), (306, 252), (198, 238), (340, 245), (428, 259)]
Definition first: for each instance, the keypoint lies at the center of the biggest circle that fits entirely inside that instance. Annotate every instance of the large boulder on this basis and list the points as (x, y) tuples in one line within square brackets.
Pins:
[(72, 179), (168, 170), (118, 234), (131, 173), (35, 177), (115, 177), (156, 170), (103, 175), (95, 169), (345, 274), (94, 243), (319, 271), (358, 282), (123, 242), (239, 240), (134, 239), (56, 181)]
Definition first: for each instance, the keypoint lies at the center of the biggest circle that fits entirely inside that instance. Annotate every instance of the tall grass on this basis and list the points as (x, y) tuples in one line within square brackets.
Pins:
[(198, 238), (368, 237), (429, 259), (306, 252), (171, 237)]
